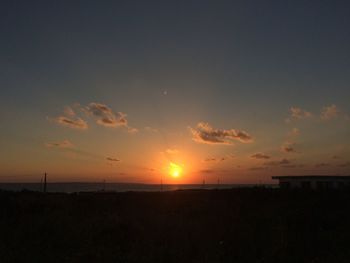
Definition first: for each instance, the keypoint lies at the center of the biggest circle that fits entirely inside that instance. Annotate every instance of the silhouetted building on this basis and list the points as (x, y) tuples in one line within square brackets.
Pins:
[(313, 181)]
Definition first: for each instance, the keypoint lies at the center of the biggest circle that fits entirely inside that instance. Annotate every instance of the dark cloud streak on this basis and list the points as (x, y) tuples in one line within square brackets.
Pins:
[(204, 133)]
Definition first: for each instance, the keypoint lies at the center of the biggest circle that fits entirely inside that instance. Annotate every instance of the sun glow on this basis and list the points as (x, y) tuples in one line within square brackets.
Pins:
[(175, 170)]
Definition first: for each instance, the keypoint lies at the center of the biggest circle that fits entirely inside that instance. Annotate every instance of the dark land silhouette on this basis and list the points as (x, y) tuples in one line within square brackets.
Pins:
[(236, 225)]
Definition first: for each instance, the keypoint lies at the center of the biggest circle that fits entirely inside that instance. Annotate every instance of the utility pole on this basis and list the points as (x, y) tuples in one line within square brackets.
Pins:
[(45, 183)]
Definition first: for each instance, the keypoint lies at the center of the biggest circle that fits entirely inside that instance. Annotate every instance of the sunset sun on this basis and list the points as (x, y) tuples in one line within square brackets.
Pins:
[(175, 170)]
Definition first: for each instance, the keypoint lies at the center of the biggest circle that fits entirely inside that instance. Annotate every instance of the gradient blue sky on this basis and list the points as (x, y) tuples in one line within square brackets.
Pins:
[(278, 70)]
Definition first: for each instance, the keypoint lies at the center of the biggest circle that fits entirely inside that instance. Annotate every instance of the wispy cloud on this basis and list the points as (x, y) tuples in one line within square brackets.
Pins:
[(330, 112), (319, 165), (347, 164), (68, 111), (277, 163), (206, 171), (72, 151), (294, 132), (69, 119), (211, 159), (327, 113), (258, 168), (283, 163), (292, 166), (298, 114), (132, 130), (204, 133), (214, 159), (288, 147), (112, 159), (150, 129), (260, 156), (219, 159), (63, 144), (105, 116), (172, 151), (71, 122)]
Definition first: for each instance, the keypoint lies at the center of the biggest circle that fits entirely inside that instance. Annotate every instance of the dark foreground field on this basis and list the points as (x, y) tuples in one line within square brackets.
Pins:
[(241, 225)]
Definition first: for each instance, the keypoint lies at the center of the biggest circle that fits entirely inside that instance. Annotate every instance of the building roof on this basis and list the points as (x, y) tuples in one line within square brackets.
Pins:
[(313, 177)]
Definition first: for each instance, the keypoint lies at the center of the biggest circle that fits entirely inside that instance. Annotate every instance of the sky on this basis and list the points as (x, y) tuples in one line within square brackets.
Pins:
[(124, 91)]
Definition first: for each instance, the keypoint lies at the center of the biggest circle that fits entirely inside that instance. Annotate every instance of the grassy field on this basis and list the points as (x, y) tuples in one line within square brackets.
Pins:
[(238, 225)]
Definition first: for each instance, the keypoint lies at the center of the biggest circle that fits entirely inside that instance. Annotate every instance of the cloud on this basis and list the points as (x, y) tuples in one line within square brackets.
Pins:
[(132, 130), (347, 164), (68, 111), (260, 156), (298, 114), (105, 116), (259, 168), (230, 156), (74, 123), (210, 159), (219, 159), (207, 171), (318, 165), (330, 112), (150, 129), (172, 151), (112, 159), (63, 144), (288, 147), (214, 159), (71, 151), (294, 132), (69, 119), (278, 163), (283, 163), (292, 166), (204, 133)]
